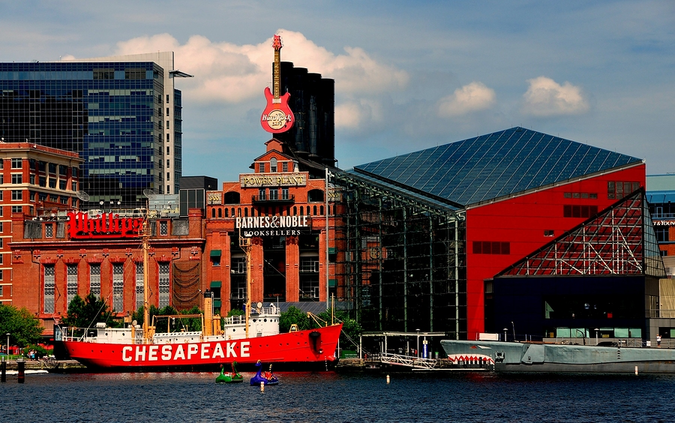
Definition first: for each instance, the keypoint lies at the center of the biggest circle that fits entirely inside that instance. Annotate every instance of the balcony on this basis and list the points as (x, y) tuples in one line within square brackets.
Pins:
[(266, 200)]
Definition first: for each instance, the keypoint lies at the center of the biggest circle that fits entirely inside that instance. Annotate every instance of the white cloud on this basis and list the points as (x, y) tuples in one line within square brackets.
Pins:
[(545, 97), (469, 98), (225, 72), (357, 114)]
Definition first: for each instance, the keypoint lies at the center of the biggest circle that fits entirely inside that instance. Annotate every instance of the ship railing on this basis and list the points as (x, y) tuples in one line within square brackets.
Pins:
[(406, 360)]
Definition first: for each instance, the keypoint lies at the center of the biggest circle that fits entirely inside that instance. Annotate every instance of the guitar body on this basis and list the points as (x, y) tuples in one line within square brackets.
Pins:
[(277, 116)]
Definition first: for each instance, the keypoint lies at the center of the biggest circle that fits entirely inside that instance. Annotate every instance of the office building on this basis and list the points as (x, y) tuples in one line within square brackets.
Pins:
[(121, 114)]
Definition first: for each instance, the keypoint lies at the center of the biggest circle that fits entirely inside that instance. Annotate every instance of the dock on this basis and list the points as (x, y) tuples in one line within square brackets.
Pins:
[(51, 365)]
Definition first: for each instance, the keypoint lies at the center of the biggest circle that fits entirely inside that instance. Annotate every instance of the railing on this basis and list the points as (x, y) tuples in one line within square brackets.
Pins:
[(258, 199), (406, 360)]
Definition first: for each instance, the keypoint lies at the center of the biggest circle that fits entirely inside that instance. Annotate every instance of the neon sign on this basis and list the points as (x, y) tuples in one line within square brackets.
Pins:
[(107, 226)]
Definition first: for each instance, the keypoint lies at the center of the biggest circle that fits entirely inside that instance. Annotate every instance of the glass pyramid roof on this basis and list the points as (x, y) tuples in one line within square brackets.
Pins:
[(494, 165), (618, 241)]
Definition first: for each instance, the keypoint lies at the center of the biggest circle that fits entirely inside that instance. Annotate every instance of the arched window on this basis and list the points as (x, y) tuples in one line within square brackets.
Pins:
[(213, 213), (220, 212), (273, 164)]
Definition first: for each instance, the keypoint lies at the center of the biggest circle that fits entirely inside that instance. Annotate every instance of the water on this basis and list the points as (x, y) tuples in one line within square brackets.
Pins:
[(331, 397)]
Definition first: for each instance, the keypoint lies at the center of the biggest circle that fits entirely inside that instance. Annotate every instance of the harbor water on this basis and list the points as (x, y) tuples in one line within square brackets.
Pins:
[(336, 397)]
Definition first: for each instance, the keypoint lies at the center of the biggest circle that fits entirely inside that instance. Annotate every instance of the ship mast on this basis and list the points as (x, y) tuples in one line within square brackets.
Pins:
[(245, 244), (146, 293)]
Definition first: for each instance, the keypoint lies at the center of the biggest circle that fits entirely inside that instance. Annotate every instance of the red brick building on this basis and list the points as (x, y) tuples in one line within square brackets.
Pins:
[(284, 211), (61, 256), (34, 180)]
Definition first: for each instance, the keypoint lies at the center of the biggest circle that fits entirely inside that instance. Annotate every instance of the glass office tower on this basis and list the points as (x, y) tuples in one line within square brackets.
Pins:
[(121, 114)]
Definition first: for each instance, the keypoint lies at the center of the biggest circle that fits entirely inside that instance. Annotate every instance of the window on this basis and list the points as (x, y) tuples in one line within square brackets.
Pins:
[(662, 234), (491, 247), (48, 292), (548, 232), (579, 210), (52, 182), (1, 227), (118, 287), (32, 179), (63, 184), (261, 167), (163, 228), (2, 292), (17, 195), (163, 285), (140, 293), (95, 279), (17, 163), (261, 194), (273, 164), (17, 178), (618, 189), (63, 170), (43, 181), (284, 166), (284, 194), (274, 194), (71, 283), (73, 186), (168, 176), (49, 230), (310, 265), (52, 168), (17, 209)]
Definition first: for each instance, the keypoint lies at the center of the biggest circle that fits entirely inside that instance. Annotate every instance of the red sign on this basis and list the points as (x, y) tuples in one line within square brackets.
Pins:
[(107, 226)]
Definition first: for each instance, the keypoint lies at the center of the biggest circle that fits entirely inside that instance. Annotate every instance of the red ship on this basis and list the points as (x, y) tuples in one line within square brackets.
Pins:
[(126, 348), (245, 339)]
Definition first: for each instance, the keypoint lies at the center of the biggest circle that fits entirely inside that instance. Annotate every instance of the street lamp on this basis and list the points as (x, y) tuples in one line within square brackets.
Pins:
[(505, 330), (596, 336), (418, 343), (7, 351)]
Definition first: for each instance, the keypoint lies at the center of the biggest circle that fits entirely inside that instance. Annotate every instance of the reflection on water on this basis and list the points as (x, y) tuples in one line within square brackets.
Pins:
[(323, 397)]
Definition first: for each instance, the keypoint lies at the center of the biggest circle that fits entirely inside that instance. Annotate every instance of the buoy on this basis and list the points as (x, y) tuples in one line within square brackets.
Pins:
[(388, 379), (262, 386)]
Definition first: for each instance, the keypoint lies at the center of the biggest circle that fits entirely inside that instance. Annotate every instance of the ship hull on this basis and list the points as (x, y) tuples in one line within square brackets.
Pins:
[(515, 357), (306, 349)]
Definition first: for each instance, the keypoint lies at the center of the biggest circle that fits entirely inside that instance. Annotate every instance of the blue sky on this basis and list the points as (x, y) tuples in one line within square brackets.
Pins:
[(409, 75)]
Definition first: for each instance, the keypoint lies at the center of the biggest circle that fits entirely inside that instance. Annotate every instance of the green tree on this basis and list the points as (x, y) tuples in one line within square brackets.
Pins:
[(84, 313), (294, 316), (22, 326), (351, 329)]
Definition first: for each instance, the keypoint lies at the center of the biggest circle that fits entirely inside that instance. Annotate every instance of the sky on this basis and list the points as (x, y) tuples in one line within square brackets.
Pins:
[(408, 75)]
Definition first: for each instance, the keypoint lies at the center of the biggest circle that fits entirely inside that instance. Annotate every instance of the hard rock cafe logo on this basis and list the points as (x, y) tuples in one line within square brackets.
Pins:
[(108, 225), (276, 119)]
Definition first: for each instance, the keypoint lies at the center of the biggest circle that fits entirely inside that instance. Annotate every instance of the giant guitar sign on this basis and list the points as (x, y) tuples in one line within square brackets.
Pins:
[(277, 116)]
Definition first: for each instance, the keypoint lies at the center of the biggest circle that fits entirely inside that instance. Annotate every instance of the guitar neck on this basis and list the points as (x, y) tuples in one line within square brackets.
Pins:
[(277, 73)]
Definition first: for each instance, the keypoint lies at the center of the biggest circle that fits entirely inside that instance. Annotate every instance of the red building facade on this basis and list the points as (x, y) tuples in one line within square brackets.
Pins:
[(284, 211), (56, 258), (502, 232)]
